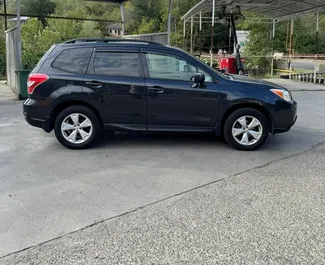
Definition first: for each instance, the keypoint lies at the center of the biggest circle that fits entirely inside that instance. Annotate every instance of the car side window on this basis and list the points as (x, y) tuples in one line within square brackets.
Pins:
[(172, 67), (73, 60), (117, 64)]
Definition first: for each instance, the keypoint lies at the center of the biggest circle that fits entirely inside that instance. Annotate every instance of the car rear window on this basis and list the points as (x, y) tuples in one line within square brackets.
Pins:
[(73, 60), (40, 63)]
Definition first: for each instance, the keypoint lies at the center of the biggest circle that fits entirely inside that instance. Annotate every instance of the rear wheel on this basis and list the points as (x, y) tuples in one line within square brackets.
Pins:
[(246, 129), (77, 127)]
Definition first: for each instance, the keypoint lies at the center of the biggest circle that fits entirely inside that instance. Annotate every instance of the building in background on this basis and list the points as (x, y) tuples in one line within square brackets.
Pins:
[(115, 30)]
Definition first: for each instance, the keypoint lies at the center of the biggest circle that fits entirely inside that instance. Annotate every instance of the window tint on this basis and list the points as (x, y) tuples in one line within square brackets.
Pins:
[(167, 66), (117, 64), (73, 60)]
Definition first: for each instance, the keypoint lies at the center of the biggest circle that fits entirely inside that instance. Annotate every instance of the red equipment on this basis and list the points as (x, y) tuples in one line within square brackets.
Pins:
[(229, 65)]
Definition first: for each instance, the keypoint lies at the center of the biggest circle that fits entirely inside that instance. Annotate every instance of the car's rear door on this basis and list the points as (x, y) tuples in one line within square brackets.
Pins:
[(116, 78), (174, 103)]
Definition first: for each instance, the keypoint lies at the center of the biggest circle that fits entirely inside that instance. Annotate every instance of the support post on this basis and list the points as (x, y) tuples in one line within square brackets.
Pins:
[(317, 30), (5, 11), (287, 36), (191, 34), (184, 28), (19, 61), (291, 48), (123, 18), (200, 20), (291, 36), (213, 11), (169, 21), (272, 58), (230, 36), (212, 32), (316, 51)]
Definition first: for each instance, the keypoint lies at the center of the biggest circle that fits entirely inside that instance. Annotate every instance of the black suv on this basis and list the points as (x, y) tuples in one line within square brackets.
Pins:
[(84, 86)]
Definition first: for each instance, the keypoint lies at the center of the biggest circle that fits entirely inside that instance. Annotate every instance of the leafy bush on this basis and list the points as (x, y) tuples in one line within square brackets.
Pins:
[(36, 39)]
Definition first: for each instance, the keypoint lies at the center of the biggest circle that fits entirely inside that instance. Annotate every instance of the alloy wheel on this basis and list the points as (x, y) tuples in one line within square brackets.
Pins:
[(76, 128), (247, 130)]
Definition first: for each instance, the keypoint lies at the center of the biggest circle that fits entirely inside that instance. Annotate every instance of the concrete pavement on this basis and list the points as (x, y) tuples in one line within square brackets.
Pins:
[(48, 191), (274, 214), (6, 93)]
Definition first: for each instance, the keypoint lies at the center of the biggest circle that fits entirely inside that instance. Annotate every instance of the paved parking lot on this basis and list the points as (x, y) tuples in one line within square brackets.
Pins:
[(158, 185)]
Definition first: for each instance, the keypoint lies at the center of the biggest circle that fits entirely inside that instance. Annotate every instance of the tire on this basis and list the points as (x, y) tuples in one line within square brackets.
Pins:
[(74, 131), (246, 138)]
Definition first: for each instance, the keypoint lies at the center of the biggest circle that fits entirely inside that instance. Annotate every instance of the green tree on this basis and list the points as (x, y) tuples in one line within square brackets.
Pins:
[(31, 49), (151, 10), (260, 47), (89, 29), (147, 25), (38, 8)]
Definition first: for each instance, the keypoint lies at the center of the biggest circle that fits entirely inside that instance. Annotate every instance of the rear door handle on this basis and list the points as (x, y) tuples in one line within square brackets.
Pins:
[(94, 84), (156, 89)]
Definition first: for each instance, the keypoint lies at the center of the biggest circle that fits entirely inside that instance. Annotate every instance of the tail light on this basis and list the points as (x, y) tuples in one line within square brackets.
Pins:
[(34, 80)]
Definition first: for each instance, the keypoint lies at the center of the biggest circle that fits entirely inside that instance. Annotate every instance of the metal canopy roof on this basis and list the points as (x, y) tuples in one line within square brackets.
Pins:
[(275, 9), (108, 1)]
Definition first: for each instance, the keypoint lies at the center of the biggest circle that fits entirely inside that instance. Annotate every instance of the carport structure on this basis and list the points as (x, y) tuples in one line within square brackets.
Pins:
[(270, 11)]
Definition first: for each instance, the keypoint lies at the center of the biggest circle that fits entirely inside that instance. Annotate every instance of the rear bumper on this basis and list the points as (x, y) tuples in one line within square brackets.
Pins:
[(37, 115), (44, 124)]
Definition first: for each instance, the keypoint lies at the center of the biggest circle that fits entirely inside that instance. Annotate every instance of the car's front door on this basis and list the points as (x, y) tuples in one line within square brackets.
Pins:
[(116, 79), (174, 102)]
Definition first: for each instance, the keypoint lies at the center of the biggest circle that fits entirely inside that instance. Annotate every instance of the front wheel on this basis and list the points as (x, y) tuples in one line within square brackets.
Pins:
[(246, 129), (77, 127)]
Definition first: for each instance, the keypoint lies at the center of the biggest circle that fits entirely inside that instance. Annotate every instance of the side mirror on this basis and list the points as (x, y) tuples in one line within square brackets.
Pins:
[(198, 78)]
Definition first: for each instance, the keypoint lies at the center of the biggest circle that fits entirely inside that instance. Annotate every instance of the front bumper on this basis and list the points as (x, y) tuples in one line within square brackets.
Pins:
[(286, 118)]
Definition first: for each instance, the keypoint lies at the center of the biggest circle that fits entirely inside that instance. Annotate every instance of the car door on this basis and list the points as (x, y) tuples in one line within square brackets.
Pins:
[(116, 78), (174, 102)]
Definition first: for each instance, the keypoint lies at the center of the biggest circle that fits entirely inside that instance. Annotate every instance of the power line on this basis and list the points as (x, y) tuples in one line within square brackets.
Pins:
[(66, 18)]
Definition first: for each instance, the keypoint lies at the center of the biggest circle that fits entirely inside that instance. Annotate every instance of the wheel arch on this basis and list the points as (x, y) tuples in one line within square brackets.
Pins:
[(238, 106), (63, 105)]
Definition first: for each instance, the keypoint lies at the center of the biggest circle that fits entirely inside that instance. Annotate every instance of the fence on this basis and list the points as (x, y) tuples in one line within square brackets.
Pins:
[(282, 65), (12, 59), (160, 37), (319, 78)]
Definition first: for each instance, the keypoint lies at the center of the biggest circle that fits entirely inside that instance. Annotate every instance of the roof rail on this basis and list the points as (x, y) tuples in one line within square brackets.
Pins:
[(111, 40)]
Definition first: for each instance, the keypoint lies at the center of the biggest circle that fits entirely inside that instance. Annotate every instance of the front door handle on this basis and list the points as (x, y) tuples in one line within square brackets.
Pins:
[(94, 84), (156, 89)]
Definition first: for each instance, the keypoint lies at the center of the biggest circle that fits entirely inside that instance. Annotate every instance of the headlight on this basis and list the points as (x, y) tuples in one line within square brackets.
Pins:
[(284, 94)]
